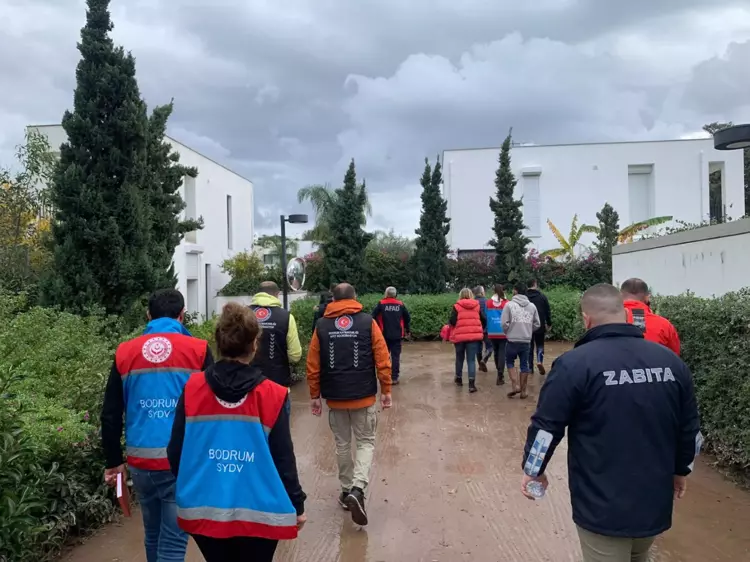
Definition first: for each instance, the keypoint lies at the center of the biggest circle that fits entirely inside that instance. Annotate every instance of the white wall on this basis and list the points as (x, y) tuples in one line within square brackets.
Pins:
[(579, 179), (707, 261), (219, 302), (198, 258)]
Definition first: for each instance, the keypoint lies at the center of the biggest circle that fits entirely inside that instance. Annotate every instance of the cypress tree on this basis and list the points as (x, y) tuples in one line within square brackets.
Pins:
[(101, 224), (430, 265), (165, 176), (509, 241), (345, 251), (606, 237)]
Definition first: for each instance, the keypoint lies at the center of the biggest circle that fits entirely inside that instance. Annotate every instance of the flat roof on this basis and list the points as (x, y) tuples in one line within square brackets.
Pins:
[(527, 145), (227, 168)]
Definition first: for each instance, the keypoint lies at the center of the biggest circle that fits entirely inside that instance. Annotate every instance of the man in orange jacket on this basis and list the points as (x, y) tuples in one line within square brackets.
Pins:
[(655, 328), (347, 357)]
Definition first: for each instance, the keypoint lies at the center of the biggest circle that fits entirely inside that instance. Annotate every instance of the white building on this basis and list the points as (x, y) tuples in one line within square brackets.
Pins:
[(272, 256), (641, 180), (224, 200)]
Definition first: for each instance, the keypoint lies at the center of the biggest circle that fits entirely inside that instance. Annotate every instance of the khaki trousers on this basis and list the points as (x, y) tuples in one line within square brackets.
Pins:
[(599, 548), (362, 423)]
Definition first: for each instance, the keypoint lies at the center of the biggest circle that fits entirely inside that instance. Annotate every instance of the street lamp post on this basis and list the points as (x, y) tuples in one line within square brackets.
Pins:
[(732, 138), (291, 219)]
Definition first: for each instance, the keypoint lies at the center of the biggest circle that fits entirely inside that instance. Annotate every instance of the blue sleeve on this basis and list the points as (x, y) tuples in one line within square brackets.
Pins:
[(559, 399), (407, 318), (690, 439)]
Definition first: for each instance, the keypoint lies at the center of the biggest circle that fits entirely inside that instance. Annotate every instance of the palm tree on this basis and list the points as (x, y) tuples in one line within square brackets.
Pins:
[(628, 233), (322, 198), (568, 245)]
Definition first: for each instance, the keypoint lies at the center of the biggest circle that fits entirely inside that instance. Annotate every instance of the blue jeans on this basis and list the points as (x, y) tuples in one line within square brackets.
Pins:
[(520, 350), (165, 541), (468, 351)]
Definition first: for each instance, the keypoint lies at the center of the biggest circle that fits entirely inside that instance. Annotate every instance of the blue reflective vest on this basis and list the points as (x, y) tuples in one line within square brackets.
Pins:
[(228, 485)]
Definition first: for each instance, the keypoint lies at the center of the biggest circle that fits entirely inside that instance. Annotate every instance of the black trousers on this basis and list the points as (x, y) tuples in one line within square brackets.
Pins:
[(498, 348), (394, 347), (537, 349), (236, 549)]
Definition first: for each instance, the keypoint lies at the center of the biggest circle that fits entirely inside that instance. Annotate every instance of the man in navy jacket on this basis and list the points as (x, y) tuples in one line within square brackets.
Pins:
[(633, 431)]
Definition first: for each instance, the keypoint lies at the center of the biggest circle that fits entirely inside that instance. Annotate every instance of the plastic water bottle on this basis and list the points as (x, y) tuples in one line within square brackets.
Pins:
[(535, 489)]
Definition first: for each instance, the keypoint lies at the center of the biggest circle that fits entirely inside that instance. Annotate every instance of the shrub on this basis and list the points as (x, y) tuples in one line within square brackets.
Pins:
[(53, 368), (715, 337), (246, 271)]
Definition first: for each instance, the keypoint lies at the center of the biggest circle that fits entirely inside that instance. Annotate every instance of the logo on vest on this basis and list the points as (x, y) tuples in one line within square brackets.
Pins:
[(157, 349), (344, 323), (262, 314)]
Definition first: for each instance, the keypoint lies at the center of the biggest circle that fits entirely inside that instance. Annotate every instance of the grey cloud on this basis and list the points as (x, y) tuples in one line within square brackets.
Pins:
[(288, 93), (722, 84)]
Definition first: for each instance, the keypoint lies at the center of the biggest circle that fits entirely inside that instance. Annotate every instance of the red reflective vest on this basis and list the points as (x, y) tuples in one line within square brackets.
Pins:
[(154, 369), (468, 324)]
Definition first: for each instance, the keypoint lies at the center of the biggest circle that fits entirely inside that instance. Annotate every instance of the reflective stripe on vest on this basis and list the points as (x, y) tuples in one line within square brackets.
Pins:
[(154, 369), (228, 484)]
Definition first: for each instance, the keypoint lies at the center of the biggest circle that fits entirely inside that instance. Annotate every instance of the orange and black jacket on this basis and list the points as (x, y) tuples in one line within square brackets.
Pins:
[(655, 328), (348, 377)]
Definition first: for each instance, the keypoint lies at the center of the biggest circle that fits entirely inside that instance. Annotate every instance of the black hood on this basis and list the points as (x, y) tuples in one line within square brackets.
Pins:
[(623, 330), (231, 381)]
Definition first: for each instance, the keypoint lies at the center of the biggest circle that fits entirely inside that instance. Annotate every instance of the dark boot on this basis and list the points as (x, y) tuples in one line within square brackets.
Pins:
[(472, 386), (459, 381), (500, 379)]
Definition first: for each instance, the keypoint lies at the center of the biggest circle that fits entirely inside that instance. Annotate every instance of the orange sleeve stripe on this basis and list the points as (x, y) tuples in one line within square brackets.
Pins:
[(313, 366)]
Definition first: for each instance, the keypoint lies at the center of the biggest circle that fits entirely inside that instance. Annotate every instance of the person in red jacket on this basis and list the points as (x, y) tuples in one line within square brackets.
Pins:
[(655, 328), (468, 322)]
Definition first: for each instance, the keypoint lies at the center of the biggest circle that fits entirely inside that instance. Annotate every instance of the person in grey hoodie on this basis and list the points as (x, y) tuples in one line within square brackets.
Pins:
[(520, 320)]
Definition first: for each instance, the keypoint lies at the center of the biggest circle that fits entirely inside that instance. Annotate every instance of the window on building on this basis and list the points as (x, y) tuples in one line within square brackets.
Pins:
[(209, 289), (641, 192), (191, 212), (716, 206), (193, 302), (532, 207), (230, 232), (270, 259)]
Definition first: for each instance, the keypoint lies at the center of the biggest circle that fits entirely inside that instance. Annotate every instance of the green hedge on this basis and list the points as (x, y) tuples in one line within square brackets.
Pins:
[(53, 368), (715, 336)]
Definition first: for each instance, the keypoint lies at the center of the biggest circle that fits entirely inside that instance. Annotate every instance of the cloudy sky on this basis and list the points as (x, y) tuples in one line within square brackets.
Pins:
[(287, 91)]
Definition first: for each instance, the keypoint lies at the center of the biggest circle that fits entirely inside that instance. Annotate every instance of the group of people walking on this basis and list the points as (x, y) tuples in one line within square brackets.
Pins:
[(508, 329), (209, 446)]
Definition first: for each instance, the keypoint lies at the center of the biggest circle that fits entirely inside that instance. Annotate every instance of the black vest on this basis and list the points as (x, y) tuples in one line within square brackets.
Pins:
[(347, 365), (271, 356)]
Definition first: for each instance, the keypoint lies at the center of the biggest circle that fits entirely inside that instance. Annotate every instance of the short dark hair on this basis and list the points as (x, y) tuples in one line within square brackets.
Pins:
[(533, 282), (634, 286), (269, 287), (343, 291), (166, 303), (520, 287), (477, 291), (500, 289)]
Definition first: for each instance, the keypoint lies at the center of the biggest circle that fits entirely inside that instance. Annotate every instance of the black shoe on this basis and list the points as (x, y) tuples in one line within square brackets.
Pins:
[(500, 380), (483, 366), (342, 500), (355, 501), (472, 386), (459, 381), (541, 368), (394, 381)]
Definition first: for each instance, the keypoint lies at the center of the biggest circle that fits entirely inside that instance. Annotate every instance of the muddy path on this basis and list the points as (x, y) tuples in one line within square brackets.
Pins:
[(445, 487)]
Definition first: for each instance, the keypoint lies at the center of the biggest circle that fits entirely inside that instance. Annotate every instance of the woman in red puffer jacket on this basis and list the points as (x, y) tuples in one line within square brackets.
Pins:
[(468, 323)]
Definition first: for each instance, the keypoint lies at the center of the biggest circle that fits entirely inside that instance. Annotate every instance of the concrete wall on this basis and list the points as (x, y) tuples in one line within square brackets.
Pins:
[(709, 261), (199, 256), (557, 182)]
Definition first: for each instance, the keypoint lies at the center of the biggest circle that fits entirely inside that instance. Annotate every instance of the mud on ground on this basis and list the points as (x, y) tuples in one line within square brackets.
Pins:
[(445, 486)]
